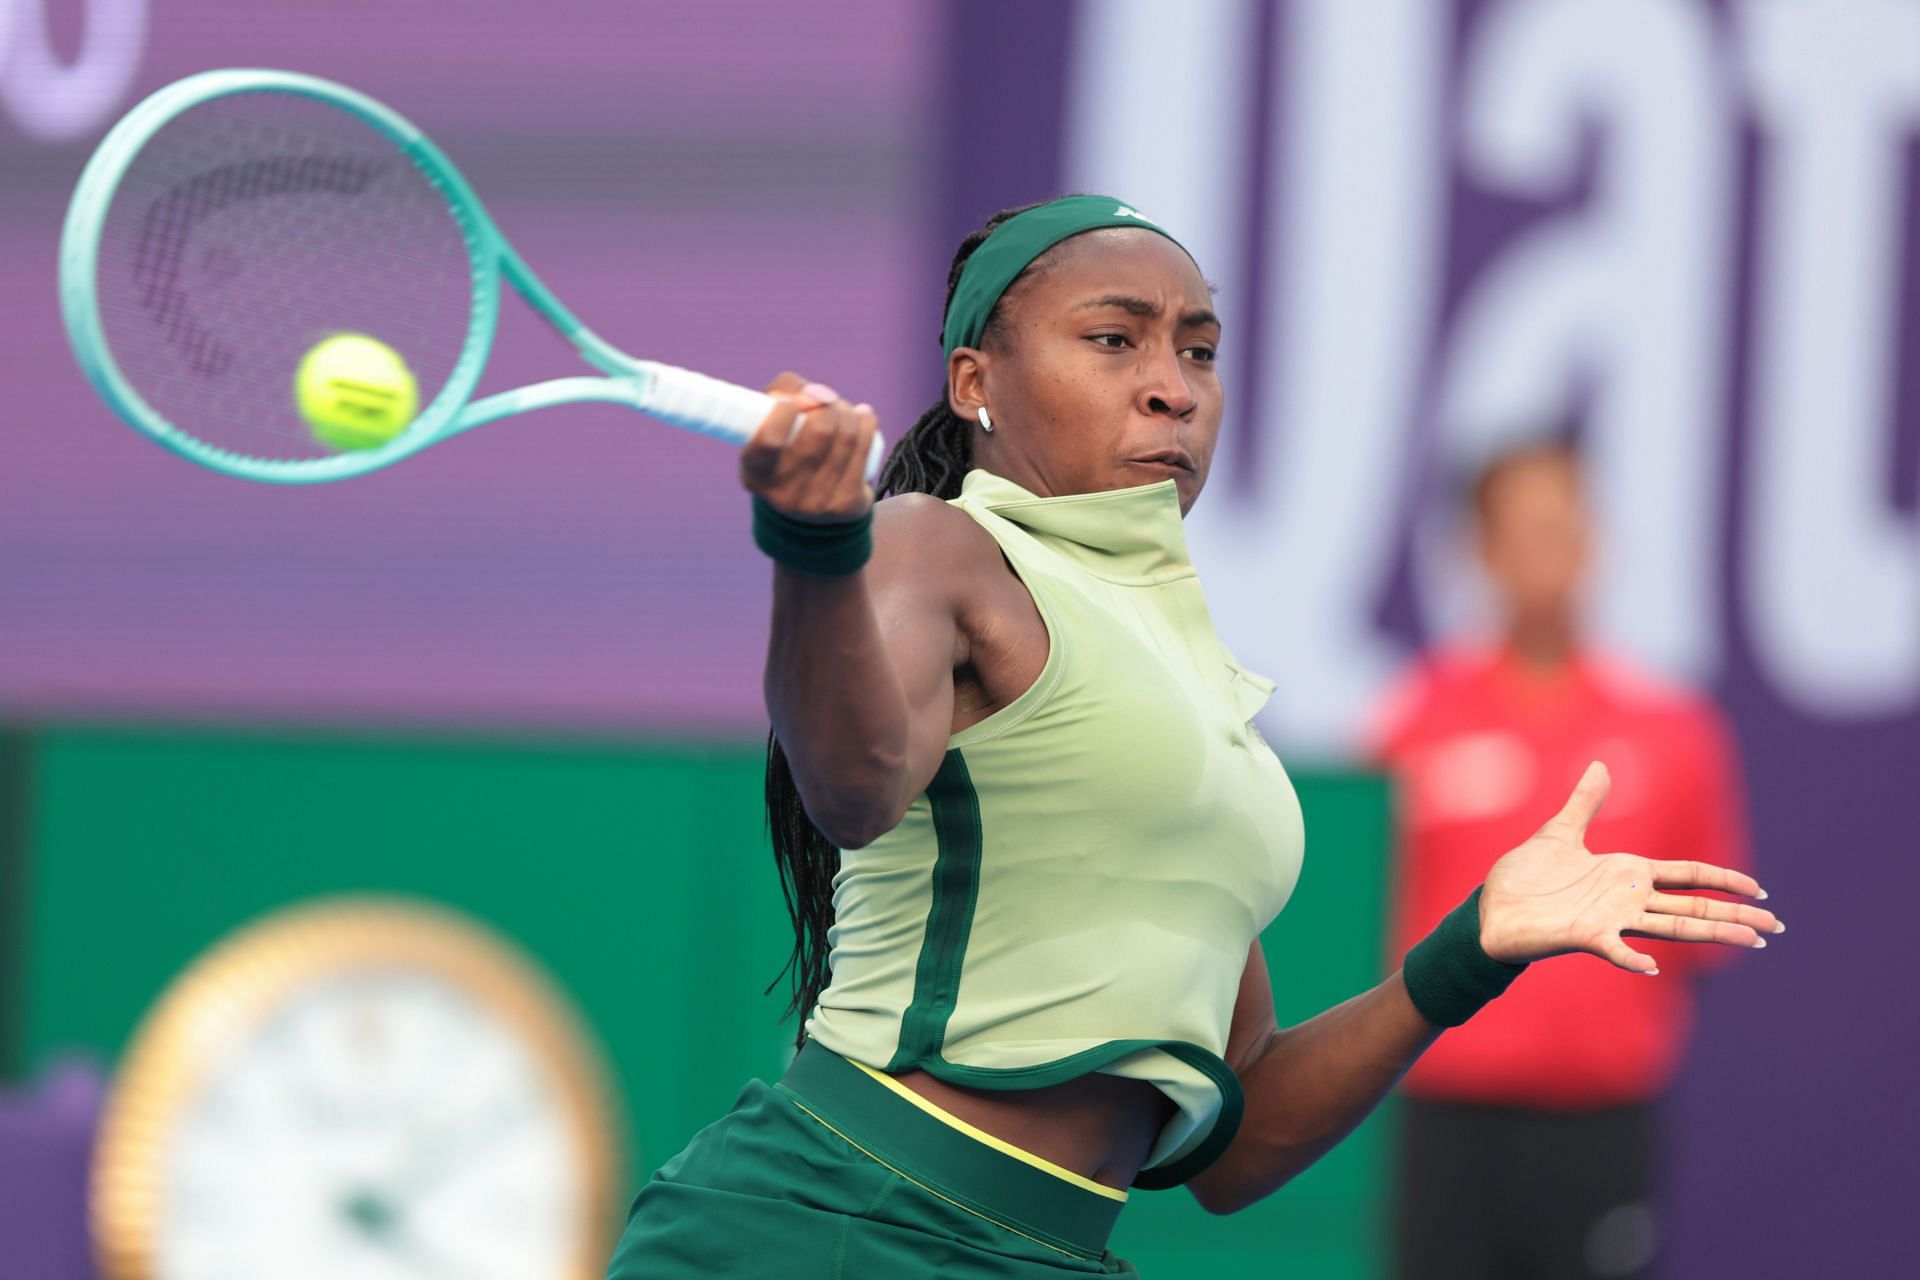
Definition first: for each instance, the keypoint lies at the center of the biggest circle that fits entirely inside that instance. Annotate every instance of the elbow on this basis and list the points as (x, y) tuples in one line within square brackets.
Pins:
[(855, 791), (1218, 1206), (853, 829), (1220, 1192), (1225, 1188), (1222, 1201), (855, 814)]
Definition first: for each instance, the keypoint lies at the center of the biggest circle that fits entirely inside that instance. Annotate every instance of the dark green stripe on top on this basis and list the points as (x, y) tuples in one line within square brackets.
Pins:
[(1233, 1104), (956, 890)]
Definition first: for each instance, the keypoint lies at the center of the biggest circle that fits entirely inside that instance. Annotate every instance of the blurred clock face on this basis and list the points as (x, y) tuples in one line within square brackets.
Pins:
[(378, 1122)]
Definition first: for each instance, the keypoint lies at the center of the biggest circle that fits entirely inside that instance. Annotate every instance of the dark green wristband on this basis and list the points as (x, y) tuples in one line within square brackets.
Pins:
[(832, 550), (1447, 973)]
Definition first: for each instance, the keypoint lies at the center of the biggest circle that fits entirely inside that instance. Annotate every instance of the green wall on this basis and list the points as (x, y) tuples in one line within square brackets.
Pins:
[(637, 873)]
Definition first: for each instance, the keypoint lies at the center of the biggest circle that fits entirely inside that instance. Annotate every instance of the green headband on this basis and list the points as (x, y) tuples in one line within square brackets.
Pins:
[(1017, 242)]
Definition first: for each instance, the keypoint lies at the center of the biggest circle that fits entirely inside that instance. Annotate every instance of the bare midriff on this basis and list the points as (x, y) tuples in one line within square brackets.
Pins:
[(1100, 1127)]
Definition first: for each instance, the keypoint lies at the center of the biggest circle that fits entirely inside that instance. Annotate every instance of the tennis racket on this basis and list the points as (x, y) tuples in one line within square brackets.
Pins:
[(236, 219)]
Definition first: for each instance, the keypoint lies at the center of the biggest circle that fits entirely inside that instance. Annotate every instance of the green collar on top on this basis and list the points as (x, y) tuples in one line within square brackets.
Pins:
[(1014, 244), (1130, 536)]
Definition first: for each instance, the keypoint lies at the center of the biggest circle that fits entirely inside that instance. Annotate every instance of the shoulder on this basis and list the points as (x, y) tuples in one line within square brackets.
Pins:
[(926, 525), (1640, 689), (1427, 685), (1688, 718), (918, 537)]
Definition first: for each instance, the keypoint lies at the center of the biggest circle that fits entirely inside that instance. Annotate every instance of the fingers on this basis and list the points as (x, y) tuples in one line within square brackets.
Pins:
[(787, 383), (1704, 875), (1588, 795), (1689, 929), (760, 455), (1760, 921), (793, 396), (808, 457), (1625, 957), (837, 484)]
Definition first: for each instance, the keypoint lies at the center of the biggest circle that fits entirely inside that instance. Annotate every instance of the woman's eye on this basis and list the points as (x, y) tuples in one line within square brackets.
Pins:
[(1205, 355), (1113, 340)]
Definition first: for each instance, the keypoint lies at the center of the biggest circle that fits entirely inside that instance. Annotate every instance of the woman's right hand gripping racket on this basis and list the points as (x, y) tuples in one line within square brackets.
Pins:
[(284, 280)]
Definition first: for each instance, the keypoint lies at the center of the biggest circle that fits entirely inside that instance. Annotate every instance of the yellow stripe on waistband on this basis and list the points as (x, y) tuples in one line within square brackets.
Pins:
[(903, 1174), (998, 1144)]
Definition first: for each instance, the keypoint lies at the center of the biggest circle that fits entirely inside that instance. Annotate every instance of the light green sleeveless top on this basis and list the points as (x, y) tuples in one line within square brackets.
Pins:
[(1077, 888)]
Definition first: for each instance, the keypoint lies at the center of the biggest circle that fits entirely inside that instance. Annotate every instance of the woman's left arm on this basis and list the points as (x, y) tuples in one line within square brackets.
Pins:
[(1307, 1086), (1310, 1085)]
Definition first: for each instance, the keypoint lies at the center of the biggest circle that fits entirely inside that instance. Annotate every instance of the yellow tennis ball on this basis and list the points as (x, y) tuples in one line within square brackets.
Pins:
[(355, 392)]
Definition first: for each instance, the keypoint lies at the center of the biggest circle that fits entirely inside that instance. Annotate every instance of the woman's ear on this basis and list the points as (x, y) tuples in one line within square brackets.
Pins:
[(966, 382)]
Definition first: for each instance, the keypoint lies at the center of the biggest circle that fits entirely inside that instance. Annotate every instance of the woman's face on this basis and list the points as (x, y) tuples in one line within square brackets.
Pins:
[(1100, 375)]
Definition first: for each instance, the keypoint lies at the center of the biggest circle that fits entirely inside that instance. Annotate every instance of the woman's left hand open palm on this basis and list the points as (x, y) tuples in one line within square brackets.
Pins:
[(1551, 896)]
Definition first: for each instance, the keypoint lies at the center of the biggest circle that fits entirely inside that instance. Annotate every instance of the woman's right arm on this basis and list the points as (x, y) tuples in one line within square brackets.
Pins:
[(859, 676)]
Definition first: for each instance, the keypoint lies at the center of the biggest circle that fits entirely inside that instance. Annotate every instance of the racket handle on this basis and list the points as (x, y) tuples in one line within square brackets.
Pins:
[(715, 408)]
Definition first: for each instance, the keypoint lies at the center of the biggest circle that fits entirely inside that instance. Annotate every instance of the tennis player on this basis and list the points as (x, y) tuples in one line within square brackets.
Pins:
[(1027, 831)]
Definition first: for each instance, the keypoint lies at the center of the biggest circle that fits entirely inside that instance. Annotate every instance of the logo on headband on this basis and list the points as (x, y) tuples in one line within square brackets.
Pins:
[(1124, 212)]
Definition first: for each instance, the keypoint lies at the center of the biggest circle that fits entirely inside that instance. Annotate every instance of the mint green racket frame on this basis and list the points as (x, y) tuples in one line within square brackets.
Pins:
[(685, 399)]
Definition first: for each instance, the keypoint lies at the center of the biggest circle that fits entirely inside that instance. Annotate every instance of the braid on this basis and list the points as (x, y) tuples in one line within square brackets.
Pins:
[(933, 456)]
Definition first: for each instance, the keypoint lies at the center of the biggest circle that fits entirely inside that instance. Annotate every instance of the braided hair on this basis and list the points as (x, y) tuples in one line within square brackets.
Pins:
[(933, 457)]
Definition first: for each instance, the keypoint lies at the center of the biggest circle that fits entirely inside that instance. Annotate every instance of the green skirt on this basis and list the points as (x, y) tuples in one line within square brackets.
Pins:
[(830, 1175)]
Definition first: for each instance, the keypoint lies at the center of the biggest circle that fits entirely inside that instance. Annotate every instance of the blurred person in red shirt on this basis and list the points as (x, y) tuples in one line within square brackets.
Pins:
[(1530, 1137)]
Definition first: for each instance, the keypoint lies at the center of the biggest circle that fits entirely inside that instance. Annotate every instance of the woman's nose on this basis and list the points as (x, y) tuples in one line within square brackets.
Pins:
[(1164, 392)]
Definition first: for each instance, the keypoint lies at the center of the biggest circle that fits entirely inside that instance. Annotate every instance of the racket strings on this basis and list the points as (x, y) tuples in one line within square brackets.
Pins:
[(250, 228), (160, 251)]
